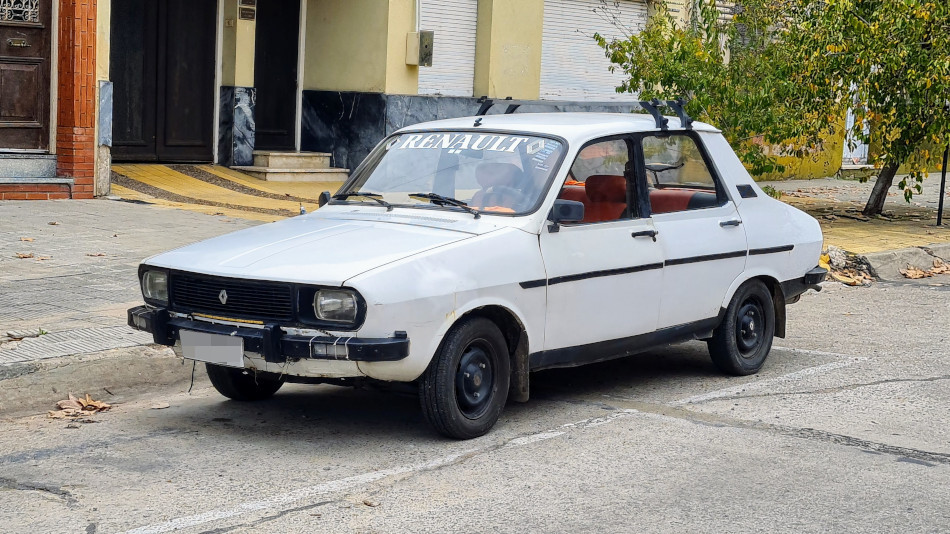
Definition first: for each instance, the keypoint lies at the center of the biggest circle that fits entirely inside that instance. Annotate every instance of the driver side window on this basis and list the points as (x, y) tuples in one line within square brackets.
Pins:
[(597, 179)]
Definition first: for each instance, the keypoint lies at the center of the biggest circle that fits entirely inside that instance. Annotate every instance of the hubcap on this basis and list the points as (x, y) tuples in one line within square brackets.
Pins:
[(750, 327), (474, 380)]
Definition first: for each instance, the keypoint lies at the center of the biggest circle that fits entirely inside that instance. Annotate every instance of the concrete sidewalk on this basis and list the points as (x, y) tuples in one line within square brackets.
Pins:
[(68, 275)]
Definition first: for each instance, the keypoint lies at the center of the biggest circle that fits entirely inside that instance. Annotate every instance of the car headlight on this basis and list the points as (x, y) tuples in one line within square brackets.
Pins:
[(155, 286), (337, 305)]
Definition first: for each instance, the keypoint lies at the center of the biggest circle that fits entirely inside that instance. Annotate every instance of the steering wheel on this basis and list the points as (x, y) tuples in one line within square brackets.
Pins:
[(514, 198)]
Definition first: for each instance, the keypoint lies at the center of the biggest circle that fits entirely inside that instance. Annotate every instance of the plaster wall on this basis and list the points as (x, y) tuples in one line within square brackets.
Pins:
[(237, 48), (359, 45), (508, 48)]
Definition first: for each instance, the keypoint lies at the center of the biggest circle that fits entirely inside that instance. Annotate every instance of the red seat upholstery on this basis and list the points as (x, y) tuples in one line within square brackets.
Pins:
[(670, 200), (608, 198)]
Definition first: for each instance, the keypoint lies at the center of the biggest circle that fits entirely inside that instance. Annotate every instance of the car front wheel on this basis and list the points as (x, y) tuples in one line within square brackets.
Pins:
[(466, 385), (243, 384), (742, 341)]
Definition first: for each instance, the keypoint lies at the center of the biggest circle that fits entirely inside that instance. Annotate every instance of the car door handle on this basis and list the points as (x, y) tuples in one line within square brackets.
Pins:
[(645, 233), (730, 222)]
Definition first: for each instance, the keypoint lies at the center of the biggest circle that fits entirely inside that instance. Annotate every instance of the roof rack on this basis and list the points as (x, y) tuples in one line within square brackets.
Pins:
[(487, 103), (652, 106), (676, 105)]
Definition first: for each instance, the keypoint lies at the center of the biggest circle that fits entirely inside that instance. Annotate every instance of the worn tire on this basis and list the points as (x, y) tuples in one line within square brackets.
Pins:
[(465, 387), (741, 343), (243, 384)]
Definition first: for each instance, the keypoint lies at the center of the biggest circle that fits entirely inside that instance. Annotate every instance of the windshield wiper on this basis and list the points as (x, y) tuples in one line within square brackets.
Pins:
[(436, 198), (372, 196)]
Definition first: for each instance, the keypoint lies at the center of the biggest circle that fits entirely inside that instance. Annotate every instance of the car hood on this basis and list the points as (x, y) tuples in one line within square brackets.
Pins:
[(308, 249)]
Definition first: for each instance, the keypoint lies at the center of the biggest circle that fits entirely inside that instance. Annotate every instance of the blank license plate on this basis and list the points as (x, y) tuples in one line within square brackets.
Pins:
[(212, 348)]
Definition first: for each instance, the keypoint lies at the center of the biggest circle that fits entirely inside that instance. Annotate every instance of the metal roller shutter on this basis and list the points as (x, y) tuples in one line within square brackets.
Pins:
[(572, 65), (453, 52)]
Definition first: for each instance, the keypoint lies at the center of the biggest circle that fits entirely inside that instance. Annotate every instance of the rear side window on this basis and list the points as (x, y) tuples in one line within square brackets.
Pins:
[(678, 178)]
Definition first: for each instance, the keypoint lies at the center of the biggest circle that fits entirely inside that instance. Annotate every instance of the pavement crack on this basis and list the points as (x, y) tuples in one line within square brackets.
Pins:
[(705, 419), (56, 491), (824, 391)]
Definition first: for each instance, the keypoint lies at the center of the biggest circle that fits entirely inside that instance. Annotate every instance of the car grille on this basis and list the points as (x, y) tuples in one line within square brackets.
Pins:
[(245, 298)]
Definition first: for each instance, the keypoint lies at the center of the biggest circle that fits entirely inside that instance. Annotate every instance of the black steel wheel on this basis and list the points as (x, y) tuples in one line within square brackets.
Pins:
[(243, 384), (741, 343), (466, 385)]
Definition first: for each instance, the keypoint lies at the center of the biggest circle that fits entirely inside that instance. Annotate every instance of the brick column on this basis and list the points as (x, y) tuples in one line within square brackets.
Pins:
[(76, 117)]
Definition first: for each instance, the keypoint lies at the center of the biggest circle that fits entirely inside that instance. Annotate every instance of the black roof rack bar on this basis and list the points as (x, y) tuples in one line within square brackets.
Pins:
[(651, 106), (487, 103), (686, 121)]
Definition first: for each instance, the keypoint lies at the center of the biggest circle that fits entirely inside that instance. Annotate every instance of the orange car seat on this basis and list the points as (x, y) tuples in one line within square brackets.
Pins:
[(608, 198)]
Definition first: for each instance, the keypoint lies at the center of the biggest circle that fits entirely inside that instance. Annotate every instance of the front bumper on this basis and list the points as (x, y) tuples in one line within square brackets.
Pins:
[(271, 342)]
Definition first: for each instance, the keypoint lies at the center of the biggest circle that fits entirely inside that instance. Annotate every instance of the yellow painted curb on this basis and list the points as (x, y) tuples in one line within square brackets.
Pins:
[(131, 194), (162, 177)]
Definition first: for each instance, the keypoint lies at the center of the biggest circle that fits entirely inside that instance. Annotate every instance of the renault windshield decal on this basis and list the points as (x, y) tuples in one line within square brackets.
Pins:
[(457, 142)]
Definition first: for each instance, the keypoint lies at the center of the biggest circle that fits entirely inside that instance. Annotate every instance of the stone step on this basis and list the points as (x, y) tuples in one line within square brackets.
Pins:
[(273, 174), (18, 165), (291, 160)]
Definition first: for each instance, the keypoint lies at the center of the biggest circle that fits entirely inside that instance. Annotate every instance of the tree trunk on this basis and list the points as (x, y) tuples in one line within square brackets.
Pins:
[(875, 203)]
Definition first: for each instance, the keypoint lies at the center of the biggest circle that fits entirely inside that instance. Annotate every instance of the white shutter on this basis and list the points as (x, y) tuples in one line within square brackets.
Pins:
[(453, 51), (573, 67)]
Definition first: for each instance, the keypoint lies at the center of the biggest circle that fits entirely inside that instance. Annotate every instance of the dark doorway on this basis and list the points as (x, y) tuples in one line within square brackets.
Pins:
[(162, 67), (275, 74), (24, 75)]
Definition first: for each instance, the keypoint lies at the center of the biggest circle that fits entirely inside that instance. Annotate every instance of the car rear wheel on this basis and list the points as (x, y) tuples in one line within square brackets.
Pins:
[(743, 340), (243, 384), (466, 385)]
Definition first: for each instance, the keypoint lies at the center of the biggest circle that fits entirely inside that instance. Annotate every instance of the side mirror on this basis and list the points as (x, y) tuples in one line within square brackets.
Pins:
[(323, 198), (565, 211)]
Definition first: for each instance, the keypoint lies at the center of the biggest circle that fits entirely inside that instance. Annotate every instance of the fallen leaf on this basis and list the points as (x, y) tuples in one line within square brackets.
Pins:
[(70, 403), (26, 239), (371, 503), (52, 223), (159, 406), (24, 255)]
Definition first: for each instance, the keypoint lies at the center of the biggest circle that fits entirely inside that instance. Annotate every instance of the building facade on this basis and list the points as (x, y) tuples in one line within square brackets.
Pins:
[(84, 83)]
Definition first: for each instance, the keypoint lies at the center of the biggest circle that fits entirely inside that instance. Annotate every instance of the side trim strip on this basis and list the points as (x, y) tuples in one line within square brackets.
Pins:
[(533, 283), (770, 250), (591, 274), (650, 266), (607, 272), (708, 257)]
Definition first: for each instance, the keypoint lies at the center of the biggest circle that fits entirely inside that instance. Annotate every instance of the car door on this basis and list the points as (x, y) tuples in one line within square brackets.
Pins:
[(699, 229), (604, 273)]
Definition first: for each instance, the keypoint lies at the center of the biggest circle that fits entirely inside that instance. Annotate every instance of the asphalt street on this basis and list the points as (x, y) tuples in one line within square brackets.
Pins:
[(844, 430)]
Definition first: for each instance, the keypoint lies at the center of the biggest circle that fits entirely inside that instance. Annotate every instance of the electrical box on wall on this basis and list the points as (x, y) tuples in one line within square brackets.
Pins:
[(419, 48)]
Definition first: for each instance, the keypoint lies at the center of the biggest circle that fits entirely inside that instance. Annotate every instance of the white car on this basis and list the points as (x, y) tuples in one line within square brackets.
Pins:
[(463, 254)]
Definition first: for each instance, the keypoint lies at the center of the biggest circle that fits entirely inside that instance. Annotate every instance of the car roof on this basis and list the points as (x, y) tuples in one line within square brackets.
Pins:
[(572, 126)]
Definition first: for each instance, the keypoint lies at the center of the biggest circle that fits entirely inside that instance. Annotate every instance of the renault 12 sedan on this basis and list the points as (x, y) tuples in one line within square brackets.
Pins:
[(463, 254)]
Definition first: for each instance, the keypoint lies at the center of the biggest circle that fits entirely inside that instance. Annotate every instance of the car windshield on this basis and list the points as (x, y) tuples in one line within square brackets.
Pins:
[(482, 172)]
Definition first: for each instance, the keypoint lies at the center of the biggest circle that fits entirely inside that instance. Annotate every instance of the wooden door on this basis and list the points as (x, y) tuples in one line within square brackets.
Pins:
[(275, 74), (162, 69), (25, 74)]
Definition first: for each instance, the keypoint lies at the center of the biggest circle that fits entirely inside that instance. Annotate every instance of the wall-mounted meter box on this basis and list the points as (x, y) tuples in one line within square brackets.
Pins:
[(419, 48)]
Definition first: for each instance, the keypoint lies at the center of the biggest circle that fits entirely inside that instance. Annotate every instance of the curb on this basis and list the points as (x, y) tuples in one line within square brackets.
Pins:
[(113, 376), (886, 265)]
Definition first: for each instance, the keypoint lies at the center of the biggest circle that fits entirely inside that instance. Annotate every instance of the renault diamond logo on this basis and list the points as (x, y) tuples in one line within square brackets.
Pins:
[(223, 296)]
